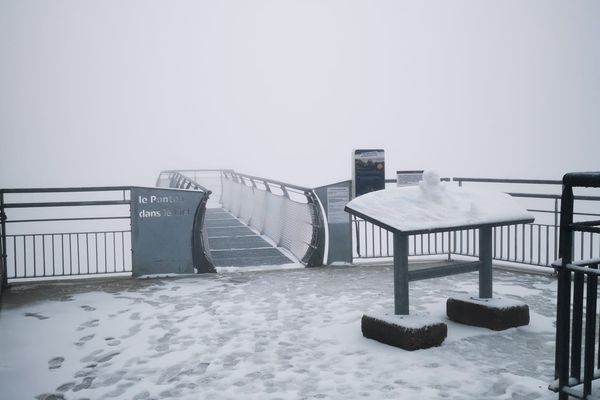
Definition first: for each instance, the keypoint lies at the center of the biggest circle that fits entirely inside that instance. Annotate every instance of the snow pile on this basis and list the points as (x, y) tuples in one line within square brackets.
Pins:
[(436, 205)]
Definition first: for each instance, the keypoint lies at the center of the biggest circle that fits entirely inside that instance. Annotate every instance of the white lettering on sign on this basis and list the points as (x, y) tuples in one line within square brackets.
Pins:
[(163, 212)]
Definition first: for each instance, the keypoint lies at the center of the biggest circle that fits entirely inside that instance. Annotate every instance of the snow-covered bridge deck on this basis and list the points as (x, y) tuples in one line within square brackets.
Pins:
[(233, 244)]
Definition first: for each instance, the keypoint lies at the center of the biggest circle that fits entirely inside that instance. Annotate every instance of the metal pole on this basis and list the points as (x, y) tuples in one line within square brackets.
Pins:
[(485, 258), (3, 264), (400, 274)]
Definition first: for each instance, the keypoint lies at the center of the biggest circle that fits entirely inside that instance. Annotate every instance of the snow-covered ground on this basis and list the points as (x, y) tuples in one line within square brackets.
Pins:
[(289, 334)]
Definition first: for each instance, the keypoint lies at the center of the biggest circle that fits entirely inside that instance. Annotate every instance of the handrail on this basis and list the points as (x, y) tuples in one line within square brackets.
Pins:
[(271, 181), (502, 180)]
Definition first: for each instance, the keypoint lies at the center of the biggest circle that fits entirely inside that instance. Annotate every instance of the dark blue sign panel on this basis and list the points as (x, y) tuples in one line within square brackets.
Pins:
[(166, 231), (369, 171)]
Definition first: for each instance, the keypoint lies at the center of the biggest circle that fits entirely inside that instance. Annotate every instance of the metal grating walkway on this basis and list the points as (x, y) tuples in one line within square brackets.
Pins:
[(233, 244)]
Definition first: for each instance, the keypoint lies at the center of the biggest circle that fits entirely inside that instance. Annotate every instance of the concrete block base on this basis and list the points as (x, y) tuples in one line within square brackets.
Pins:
[(404, 331), (497, 314)]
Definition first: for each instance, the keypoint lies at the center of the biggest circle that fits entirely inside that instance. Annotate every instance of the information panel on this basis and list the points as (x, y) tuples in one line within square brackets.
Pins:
[(368, 171), (163, 226), (408, 178), (337, 198)]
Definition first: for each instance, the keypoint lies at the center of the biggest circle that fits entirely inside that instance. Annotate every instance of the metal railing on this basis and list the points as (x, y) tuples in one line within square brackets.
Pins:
[(532, 244), (576, 321), (288, 214), (54, 232)]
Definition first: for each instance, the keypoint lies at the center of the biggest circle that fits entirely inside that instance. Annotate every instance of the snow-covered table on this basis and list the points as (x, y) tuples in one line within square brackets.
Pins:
[(433, 207)]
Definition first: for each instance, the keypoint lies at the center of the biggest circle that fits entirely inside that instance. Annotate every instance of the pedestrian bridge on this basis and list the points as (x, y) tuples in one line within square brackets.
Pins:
[(251, 221)]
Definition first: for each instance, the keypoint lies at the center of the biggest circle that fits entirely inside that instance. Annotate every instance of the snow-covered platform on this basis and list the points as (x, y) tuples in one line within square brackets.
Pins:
[(265, 335)]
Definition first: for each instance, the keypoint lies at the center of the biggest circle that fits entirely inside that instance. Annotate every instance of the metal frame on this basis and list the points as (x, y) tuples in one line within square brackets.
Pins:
[(402, 276), (576, 280)]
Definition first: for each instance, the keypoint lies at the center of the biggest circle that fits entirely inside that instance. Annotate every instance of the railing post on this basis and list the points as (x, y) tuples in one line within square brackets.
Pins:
[(3, 264), (563, 306)]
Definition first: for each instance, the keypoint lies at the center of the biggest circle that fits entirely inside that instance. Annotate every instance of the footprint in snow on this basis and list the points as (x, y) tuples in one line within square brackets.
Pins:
[(88, 308), (36, 315), (55, 363)]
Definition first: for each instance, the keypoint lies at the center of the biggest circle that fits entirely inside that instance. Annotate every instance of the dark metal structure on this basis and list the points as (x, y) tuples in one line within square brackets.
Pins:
[(576, 362)]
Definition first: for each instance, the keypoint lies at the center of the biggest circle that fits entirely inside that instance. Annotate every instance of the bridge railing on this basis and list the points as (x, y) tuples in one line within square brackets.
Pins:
[(287, 214)]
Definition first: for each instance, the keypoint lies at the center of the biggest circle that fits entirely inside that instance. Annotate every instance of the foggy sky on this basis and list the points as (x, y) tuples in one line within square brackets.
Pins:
[(111, 92)]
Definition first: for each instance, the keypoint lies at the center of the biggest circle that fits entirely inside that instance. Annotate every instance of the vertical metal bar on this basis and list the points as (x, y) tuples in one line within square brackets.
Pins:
[(576, 327), (548, 262), (87, 251), (516, 241), (429, 243), (53, 257), (502, 243), (15, 255), (539, 244), (4, 263), (96, 253), (421, 240), (78, 256), (591, 245), (24, 256), (508, 242), (380, 244), (114, 253), (485, 259), (556, 229), (563, 306), (468, 243), (105, 255), (401, 294), (123, 249), (34, 258), (70, 254), (531, 243), (523, 244), (590, 332), (44, 255), (461, 242), (366, 240), (581, 256), (62, 252)]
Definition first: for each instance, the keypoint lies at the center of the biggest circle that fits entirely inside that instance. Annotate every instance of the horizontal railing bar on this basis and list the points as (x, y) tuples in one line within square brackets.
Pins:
[(66, 189), (68, 204), (394, 180), (585, 223), (64, 233), (64, 219), (583, 228), (496, 180), (287, 185), (575, 268), (445, 270)]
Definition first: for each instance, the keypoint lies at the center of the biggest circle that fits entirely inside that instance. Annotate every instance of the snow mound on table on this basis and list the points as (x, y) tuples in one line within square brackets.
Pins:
[(436, 205)]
